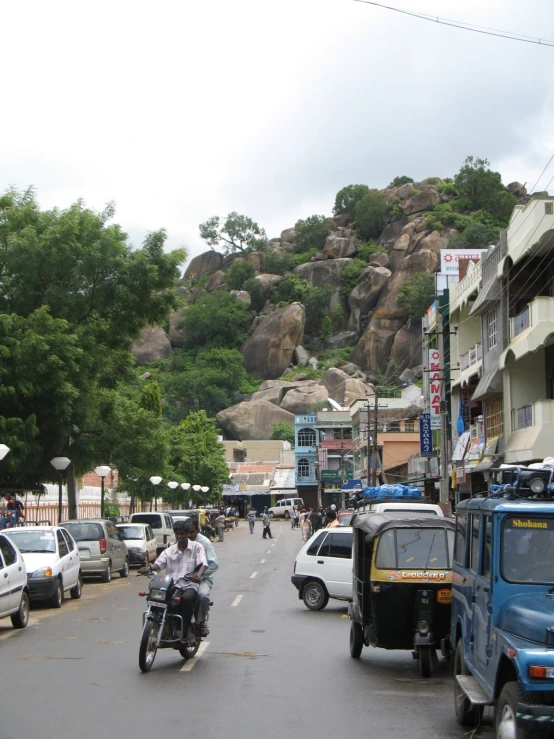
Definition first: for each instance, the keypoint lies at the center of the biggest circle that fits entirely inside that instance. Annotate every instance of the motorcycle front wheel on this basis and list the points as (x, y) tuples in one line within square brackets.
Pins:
[(187, 651), (148, 645)]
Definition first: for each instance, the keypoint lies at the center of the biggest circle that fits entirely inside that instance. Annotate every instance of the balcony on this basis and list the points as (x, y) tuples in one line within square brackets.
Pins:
[(532, 432), (531, 228), (530, 328), (461, 293), (470, 364), (306, 479)]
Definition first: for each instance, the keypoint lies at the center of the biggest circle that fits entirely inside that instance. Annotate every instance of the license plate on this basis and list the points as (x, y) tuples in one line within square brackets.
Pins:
[(84, 554)]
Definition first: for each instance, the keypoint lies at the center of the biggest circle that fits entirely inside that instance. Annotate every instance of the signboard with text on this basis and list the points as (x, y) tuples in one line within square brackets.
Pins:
[(434, 389), (450, 259), (425, 436), (335, 475)]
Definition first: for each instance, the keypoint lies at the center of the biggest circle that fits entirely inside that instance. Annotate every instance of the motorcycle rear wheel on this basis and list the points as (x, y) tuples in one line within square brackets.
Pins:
[(148, 645)]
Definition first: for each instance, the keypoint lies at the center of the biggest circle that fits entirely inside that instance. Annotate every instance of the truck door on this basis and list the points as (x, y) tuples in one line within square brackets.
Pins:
[(482, 599)]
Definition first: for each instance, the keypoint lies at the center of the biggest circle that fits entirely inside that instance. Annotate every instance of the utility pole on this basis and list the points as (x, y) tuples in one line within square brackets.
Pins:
[(375, 447), (443, 483)]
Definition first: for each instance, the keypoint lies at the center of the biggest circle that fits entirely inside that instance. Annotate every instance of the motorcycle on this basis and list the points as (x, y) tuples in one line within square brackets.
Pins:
[(162, 624)]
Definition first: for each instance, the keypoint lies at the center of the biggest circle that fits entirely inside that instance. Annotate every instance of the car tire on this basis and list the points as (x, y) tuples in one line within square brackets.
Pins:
[(107, 574), (467, 714), (315, 596), (287, 515), (505, 713), (125, 571), (57, 599), (77, 590), (20, 619), (356, 640)]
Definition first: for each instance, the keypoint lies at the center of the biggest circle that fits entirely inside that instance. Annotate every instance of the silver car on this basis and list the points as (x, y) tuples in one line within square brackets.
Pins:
[(101, 547)]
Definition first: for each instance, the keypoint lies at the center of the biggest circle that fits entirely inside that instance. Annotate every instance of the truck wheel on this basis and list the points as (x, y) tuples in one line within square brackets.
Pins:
[(356, 640), (287, 515), (506, 712), (425, 659), (315, 596), (467, 713)]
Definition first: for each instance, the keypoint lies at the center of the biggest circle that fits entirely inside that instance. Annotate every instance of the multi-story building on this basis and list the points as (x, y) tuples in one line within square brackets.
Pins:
[(305, 455), (335, 464)]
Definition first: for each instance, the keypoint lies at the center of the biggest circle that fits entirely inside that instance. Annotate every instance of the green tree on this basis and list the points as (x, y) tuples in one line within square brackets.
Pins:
[(235, 233), (370, 215), (238, 273), (350, 276), (282, 432), (402, 180), (326, 327), (484, 189), (474, 236), (216, 319), (311, 233), (257, 295), (417, 294), (347, 199), (151, 397), (277, 264), (315, 299)]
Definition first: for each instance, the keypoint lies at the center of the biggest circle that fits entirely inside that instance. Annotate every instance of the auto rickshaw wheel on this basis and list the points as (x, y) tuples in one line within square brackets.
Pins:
[(315, 596), (467, 714), (356, 640), (425, 659)]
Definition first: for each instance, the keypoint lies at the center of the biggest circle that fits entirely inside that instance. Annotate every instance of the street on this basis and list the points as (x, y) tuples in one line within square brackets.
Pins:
[(269, 667)]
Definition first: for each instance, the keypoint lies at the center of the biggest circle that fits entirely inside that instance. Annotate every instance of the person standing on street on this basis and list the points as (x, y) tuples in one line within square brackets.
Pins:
[(251, 516), (333, 520), (220, 525), (267, 523), (306, 527)]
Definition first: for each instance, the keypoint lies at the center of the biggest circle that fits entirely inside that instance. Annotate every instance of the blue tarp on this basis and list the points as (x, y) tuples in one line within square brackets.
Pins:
[(396, 492)]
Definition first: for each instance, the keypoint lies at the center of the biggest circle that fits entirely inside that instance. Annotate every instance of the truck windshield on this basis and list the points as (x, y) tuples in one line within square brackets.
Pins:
[(528, 549)]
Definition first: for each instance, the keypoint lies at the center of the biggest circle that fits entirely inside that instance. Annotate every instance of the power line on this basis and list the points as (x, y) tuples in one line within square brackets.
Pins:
[(544, 170), (465, 26)]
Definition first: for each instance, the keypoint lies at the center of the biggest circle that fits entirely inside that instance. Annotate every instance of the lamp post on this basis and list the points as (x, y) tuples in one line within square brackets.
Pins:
[(196, 488), (3, 451), (172, 485), (155, 480), (185, 486), (102, 471), (205, 489), (60, 464)]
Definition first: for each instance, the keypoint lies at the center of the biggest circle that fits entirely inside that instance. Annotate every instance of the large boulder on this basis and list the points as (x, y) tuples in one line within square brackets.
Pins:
[(424, 200), (255, 258), (270, 348), (344, 389), (242, 296), (203, 264), (406, 347), (253, 419), (230, 259), (322, 273), (433, 242), (365, 295), (268, 281), (338, 246), (341, 339), (301, 356), (177, 333), (381, 259), (305, 398), (153, 343), (340, 221), (215, 281), (392, 231), (273, 390), (288, 236)]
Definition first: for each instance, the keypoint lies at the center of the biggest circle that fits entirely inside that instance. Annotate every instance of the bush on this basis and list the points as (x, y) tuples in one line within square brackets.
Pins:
[(282, 432), (311, 233), (326, 328), (256, 292), (315, 299), (484, 189), (444, 215), (238, 273), (417, 294), (303, 257), (277, 264), (216, 319), (399, 181), (350, 276), (474, 236), (338, 320), (370, 215), (347, 198), (366, 251), (448, 188)]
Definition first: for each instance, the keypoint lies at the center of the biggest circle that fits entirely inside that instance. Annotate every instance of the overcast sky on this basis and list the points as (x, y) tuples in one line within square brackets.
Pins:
[(179, 110)]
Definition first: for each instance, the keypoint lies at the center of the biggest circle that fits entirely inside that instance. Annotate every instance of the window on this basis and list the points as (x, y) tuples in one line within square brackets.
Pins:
[(8, 551), (487, 547), (303, 468), (393, 427), (491, 328), (154, 519), (414, 549), (460, 541), (85, 531), (548, 209), (62, 544), (474, 546), (306, 437), (314, 546), (528, 549), (409, 427), (341, 546), (494, 418), (339, 434), (239, 455), (69, 540)]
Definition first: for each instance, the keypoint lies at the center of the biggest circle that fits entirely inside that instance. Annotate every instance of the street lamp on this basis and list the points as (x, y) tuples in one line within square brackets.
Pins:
[(205, 489), (172, 485), (185, 486), (3, 451), (60, 464), (196, 488), (155, 480), (102, 471)]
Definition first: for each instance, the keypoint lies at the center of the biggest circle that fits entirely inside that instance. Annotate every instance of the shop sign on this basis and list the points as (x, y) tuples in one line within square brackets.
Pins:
[(434, 389), (425, 436)]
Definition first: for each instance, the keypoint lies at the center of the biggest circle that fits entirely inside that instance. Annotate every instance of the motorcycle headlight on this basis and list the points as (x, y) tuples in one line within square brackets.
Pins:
[(537, 485), (42, 572), (423, 628), (156, 594)]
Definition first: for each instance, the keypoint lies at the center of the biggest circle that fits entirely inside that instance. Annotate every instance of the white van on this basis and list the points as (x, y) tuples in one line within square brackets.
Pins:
[(283, 508), (161, 524)]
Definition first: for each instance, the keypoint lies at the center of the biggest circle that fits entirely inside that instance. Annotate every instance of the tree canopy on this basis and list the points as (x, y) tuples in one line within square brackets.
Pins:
[(370, 214), (417, 294), (347, 199), (235, 232), (311, 233)]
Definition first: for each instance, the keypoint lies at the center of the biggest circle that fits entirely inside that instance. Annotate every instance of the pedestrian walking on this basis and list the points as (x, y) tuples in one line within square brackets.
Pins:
[(313, 519), (267, 525), (220, 525), (306, 527), (251, 516), (294, 516)]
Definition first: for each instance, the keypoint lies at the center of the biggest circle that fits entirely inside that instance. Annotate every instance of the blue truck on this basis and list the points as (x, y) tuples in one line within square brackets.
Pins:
[(502, 628)]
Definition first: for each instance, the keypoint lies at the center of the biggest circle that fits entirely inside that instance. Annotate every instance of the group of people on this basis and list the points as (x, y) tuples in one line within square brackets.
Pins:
[(311, 520), (12, 513)]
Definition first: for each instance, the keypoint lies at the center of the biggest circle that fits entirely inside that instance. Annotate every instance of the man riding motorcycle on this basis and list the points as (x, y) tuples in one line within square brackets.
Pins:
[(206, 582), (179, 560)]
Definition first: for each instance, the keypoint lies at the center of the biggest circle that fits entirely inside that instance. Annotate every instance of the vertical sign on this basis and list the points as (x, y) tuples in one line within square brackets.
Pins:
[(466, 413), (425, 436), (435, 389)]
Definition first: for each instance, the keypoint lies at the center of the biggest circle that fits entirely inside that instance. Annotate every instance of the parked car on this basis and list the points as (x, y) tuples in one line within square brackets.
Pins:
[(344, 517), (161, 524), (140, 541), (323, 568), (283, 508), (52, 561), (14, 592), (101, 547)]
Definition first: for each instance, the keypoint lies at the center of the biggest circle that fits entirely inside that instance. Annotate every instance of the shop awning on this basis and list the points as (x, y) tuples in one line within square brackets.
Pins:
[(492, 455), (489, 384), (488, 295)]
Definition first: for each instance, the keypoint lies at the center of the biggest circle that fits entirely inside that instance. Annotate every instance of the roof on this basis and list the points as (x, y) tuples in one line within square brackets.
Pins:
[(374, 524), (284, 481), (247, 468), (503, 505)]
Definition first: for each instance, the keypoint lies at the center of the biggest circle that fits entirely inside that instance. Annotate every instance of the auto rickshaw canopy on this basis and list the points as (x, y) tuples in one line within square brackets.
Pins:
[(374, 524)]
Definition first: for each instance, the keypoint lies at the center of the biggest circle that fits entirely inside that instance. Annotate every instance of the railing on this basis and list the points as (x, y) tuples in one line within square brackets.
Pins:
[(519, 323), (522, 417), (386, 391), (474, 355), (305, 478)]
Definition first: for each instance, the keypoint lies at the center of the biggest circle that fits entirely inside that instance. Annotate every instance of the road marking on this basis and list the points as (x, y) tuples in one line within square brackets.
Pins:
[(189, 664), (262, 561), (237, 600), (268, 551), (273, 545), (253, 575)]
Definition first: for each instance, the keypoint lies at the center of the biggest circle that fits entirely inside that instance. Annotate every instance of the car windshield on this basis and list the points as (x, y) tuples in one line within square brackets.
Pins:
[(345, 518), (85, 531), (131, 532), (415, 549), (154, 519), (33, 541), (528, 549)]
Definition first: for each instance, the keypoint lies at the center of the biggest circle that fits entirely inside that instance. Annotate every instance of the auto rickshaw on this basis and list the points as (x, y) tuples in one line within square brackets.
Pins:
[(402, 584)]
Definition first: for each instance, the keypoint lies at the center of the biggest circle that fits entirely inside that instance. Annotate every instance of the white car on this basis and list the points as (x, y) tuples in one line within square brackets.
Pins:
[(52, 560), (323, 568), (14, 593), (140, 541), (283, 508)]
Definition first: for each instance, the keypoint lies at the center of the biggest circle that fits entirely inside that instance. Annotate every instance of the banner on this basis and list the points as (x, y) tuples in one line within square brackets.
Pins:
[(425, 436), (451, 257), (434, 389)]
